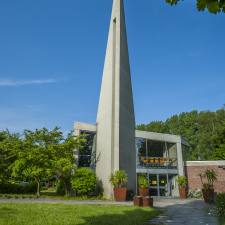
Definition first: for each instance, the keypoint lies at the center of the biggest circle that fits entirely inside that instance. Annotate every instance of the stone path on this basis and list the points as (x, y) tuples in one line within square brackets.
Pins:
[(183, 211), (176, 211)]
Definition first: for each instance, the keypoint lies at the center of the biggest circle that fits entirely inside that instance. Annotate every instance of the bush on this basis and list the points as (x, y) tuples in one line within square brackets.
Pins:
[(44, 188), (143, 180), (60, 190), (17, 189), (84, 181), (220, 208), (182, 181), (118, 178)]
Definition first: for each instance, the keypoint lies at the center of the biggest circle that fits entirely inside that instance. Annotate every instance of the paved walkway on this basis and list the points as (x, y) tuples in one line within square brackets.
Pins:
[(183, 211), (176, 211)]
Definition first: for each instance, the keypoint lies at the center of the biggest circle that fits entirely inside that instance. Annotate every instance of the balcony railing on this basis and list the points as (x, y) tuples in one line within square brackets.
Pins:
[(159, 162)]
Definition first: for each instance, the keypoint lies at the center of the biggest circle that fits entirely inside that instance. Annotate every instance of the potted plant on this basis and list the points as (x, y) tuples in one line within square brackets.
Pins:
[(208, 188), (143, 184), (182, 181), (117, 180), (138, 201), (147, 201)]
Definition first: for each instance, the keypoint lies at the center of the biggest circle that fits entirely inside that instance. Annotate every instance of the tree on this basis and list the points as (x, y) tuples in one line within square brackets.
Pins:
[(36, 158), (198, 128), (8, 143), (219, 145), (213, 6), (84, 180), (64, 162)]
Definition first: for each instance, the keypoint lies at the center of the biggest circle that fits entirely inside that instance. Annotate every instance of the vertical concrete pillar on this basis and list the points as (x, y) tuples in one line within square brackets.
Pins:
[(115, 118)]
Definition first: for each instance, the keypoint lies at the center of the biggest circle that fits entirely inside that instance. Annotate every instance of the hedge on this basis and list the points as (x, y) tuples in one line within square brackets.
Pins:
[(17, 189)]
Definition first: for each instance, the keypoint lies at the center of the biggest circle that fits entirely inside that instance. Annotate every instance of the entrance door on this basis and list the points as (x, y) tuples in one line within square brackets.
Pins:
[(163, 185)]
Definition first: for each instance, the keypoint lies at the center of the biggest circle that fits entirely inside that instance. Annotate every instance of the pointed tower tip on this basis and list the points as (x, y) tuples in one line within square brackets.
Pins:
[(115, 118)]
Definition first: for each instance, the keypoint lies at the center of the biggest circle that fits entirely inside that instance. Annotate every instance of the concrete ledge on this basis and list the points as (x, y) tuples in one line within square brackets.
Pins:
[(205, 163)]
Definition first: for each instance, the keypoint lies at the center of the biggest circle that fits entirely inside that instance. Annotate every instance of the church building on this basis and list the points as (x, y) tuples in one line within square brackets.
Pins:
[(113, 143)]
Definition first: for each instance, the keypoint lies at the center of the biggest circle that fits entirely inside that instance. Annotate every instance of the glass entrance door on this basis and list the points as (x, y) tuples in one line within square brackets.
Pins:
[(163, 185)]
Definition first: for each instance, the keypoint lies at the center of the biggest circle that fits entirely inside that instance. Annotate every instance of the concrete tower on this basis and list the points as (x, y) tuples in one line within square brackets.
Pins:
[(115, 118)]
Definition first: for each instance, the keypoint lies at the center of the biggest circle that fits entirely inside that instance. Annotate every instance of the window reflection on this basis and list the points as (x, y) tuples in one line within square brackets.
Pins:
[(158, 154), (87, 156), (172, 155), (185, 153), (141, 152)]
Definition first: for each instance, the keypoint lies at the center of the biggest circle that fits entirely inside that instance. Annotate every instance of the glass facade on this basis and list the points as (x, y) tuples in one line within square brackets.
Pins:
[(87, 154), (156, 154), (163, 185), (158, 159), (186, 153)]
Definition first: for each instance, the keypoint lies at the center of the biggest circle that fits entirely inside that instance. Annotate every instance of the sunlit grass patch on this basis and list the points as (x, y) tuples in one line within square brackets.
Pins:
[(15, 213)]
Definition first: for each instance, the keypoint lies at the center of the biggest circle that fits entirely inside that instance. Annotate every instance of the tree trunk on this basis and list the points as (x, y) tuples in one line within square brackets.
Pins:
[(38, 188)]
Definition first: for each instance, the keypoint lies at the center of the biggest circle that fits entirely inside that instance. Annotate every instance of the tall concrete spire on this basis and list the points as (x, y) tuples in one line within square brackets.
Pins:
[(115, 119)]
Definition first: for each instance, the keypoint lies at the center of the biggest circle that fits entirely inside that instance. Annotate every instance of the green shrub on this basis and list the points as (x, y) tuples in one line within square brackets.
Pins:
[(143, 180), (17, 189), (44, 188), (118, 178), (60, 190), (182, 181), (220, 208), (84, 181)]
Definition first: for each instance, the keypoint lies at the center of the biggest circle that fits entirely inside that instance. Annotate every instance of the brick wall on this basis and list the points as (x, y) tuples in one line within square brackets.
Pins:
[(192, 169)]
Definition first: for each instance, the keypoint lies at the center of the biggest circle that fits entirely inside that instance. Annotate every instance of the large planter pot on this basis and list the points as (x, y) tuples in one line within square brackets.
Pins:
[(143, 192), (207, 194), (147, 202), (183, 192), (138, 201), (120, 194)]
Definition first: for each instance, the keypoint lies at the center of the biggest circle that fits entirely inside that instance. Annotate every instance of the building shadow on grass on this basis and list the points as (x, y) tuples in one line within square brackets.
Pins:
[(136, 216), (7, 212)]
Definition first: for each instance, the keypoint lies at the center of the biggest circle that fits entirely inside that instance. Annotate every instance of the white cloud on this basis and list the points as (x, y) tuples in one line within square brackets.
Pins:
[(8, 82), (193, 54)]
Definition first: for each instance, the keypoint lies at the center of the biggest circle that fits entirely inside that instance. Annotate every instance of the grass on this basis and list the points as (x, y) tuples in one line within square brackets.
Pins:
[(20, 214)]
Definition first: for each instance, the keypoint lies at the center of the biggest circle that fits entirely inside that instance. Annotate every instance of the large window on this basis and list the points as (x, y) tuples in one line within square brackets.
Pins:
[(87, 154), (152, 154), (186, 153), (172, 154)]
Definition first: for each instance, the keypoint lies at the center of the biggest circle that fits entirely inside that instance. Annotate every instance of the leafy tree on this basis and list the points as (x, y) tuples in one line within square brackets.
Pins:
[(64, 162), (36, 158), (207, 127), (8, 143), (219, 145), (213, 6), (198, 128), (84, 180)]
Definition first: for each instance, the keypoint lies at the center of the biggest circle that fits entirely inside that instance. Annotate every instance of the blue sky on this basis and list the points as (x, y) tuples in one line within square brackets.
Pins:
[(52, 57)]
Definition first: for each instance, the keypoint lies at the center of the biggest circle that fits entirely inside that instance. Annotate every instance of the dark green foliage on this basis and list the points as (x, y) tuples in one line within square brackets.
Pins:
[(203, 130), (219, 145), (17, 189), (220, 208), (60, 190), (213, 6), (8, 143), (84, 181)]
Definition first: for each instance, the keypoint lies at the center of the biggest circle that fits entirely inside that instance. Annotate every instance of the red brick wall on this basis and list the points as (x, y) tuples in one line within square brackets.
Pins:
[(191, 171)]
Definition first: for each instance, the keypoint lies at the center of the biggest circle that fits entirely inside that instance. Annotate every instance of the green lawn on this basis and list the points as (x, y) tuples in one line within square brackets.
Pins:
[(20, 214)]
